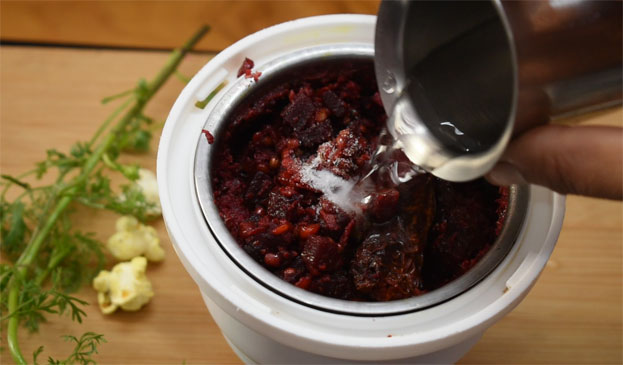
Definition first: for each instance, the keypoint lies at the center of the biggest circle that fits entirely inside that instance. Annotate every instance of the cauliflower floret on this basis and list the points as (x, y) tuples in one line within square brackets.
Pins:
[(126, 286), (149, 187), (134, 239)]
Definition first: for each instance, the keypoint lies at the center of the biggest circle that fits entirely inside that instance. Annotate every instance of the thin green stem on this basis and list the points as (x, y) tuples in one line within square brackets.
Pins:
[(31, 251), (12, 328), (54, 194), (29, 192), (183, 78), (54, 262), (109, 120), (108, 162), (117, 96), (7, 185), (89, 204)]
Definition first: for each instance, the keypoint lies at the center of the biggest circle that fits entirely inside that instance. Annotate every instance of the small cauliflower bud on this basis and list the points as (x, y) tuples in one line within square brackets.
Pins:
[(125, 286), (149, 187), (134, 239)]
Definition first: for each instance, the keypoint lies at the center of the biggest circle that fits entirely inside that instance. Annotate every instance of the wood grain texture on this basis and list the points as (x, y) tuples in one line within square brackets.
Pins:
[(155, 24), (50, 98)]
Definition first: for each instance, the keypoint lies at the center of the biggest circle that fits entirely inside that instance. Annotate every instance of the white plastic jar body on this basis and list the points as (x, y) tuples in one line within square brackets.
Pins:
[(243, 308)]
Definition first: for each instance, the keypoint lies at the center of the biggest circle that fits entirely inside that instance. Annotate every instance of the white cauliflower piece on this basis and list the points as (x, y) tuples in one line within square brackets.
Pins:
[(125, 286), (134, 239), (148, 185)]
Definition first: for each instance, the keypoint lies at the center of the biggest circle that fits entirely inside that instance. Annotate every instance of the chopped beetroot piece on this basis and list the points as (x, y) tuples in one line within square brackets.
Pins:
[(281, 229), (307, 230), (345, 155), (331, 217), (246, 69), (334, 103), (289, 173), (209, 136), (384, 205), (418, 209), (307, 119), (281, 206), (460, 207), (259, 187), (321, 254), (304, 282), (248, 229), (351, 91), (290, 275), (345, 237), (407, 240), (272, 260), (315, 134), (385, 267), (261, 108), (247, 66), (255, 75), (335, 284)]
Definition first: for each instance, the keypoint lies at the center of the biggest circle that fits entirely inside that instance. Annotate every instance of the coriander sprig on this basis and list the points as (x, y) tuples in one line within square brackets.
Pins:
[(36, 230), (85, 347)]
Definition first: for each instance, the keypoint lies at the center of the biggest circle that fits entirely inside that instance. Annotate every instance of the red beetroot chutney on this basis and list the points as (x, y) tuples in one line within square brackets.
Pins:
[(409, 239)]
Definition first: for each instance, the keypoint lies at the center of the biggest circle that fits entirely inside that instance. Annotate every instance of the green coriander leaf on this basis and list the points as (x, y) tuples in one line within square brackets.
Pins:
[(91, 252), (15, 181), (63, 162), (130, 171), (41, 168), (41, 216), (145, 119), (84, 349), (80, 150), (35, 302), (36, 353), (6, 271), (132, 202), (142, 90), (140, 141), (79, 258), (70, 276), (31, 321), (12, 243)]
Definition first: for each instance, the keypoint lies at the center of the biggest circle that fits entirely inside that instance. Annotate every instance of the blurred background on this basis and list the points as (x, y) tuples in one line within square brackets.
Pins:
[(154, 24)]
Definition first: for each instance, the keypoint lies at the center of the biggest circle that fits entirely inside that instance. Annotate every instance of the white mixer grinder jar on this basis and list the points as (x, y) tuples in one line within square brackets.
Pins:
[(262, 324)]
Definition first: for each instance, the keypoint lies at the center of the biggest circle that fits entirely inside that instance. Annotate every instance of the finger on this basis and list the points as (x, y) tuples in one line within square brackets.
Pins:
[(586, 160)]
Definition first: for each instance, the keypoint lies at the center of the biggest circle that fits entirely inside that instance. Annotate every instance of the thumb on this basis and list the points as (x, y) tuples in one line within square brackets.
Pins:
[(585, 160)]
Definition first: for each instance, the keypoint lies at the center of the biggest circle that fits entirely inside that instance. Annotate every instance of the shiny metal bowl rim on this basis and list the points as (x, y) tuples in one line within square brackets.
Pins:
[(517, 207)]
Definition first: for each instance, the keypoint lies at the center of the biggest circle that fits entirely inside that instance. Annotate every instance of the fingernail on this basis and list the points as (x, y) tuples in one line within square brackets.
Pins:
[(504, 174)]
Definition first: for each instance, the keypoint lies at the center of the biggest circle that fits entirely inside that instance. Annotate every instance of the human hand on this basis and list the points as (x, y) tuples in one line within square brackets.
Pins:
[(584, 160)]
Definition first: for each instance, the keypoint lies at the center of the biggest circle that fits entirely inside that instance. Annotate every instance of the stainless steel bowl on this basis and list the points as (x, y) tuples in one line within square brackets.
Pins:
[(243, 92)]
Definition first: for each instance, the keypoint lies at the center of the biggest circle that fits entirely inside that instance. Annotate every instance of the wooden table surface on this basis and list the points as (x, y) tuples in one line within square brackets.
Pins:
[(49, 97), (156, 24)]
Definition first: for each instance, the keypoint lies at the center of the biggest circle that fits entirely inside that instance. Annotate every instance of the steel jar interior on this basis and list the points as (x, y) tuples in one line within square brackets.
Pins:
[(243, 92)]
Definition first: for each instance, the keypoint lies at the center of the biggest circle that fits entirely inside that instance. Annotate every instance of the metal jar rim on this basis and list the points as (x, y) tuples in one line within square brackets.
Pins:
[(230, 100)]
